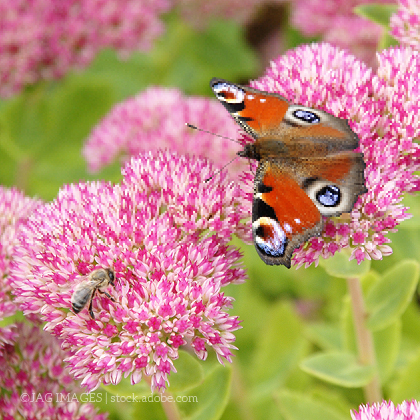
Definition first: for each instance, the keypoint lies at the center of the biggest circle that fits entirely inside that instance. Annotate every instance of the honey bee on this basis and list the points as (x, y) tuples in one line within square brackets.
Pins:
[(97, 280)]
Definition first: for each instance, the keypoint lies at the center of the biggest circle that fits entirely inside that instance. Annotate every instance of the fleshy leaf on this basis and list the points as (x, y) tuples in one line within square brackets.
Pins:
[(389, 297), (407, 386), (387, 345), (338, 368), (340, 266), (126, 389), (296, 406), (189, 373), (326, 336), (212, 395)]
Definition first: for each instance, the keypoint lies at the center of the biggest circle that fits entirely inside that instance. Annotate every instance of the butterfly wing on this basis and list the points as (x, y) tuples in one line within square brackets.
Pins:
[(255, 111), (291, 196), (306, 131), (283, 215), (333, 183)]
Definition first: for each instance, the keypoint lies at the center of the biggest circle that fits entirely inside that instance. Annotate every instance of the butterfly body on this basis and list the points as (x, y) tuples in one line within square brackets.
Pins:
[(307, 167)]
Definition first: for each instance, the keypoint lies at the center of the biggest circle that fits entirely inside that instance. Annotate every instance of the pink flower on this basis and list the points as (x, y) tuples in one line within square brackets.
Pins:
[(407, 410), (335, 21), (383, 110), (405, 24), (155, 119), (34, 383), (164, 232), (44, 39), (14, 210)]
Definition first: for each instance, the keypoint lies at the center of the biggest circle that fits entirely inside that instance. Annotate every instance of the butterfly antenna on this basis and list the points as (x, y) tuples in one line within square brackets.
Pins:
[(214, 134), (221, 169)]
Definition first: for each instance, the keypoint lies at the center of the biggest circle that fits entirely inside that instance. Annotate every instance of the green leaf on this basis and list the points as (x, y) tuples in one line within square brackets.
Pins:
[(405, 245), (411, 325), (407, 385), (340, 266), (280, 347), (378, 13), (387, 345), (297, 406), (386, 41), (413, 203), (208, 400), (189, 373), (390, 296), (334, 397), (148, 408), (326, 336), (126, 389), (368, 280), (338, 368)]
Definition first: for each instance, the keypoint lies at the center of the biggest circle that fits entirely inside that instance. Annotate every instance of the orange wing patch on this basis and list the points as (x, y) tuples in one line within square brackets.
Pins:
[(263, 112), (294, 210)]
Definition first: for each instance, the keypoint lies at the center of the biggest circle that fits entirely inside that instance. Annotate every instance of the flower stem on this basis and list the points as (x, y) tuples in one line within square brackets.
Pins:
[(364, 339), (169, 407)]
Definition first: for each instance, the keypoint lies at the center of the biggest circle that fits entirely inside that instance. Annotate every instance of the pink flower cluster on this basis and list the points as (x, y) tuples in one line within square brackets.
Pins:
[(405, 24), (164, 232), (155, 119), (336, 22), (34, 383), (14, 210), (407, 410), (383, 110), (43, 39)]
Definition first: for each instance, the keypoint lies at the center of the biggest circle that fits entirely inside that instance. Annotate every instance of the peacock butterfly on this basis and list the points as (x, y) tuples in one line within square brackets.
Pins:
[(307, 167)]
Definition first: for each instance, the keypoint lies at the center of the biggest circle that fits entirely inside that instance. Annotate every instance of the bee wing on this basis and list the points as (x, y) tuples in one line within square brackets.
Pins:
[(81, 295)]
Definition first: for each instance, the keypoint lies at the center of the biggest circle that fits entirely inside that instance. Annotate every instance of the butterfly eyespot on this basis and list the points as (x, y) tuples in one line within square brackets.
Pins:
[(306, 116), (329, 196), (330, 199)]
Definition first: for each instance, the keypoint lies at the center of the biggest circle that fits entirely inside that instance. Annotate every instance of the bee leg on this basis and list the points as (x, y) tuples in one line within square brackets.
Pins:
[(106, 294), (90, 305)]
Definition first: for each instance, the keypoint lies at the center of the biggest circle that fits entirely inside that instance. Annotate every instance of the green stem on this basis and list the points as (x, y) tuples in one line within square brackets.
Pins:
[(364, 339)]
